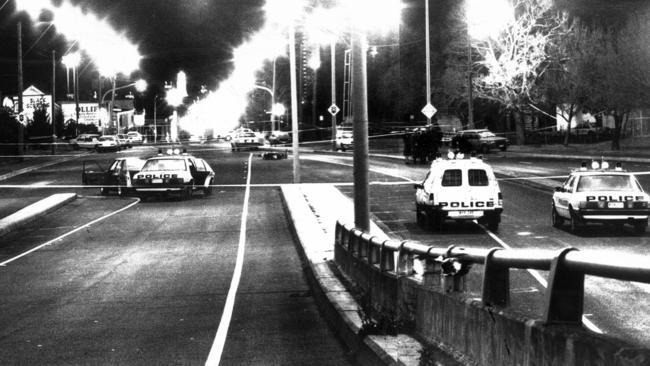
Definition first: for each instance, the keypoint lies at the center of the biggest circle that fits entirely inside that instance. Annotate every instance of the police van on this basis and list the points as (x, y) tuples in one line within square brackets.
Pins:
[(600, 195), (460, 189)]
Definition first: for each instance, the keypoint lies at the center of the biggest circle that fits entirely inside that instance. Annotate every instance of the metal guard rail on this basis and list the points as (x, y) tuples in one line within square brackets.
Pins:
[(568, 267)]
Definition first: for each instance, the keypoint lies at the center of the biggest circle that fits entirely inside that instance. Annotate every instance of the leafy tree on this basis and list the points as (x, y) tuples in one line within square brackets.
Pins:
[(511, 66)]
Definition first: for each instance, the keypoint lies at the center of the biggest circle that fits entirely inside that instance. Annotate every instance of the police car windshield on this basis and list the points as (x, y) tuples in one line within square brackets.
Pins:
[(164, 164), (604, 183)]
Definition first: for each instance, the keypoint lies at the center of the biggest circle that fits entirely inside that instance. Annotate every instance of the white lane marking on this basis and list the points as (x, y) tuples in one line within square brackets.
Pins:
[(214, 358), (40, 184), (69, 233), (588, 323)]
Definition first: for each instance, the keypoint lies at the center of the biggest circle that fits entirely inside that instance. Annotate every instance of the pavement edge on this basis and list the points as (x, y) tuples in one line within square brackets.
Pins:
[(34, 211), (336, 303)]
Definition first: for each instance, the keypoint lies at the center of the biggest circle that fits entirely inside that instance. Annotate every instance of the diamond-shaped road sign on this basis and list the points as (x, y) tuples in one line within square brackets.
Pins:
[(429, 110), (333, 109)]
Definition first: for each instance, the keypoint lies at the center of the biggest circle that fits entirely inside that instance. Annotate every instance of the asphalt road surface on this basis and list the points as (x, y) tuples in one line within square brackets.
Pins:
[(149, 284)]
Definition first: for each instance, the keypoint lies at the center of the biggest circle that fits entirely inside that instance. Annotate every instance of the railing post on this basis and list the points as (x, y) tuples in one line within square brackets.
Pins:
[(404, 261), (496, 282), (565, 293), (432, 271), (387, 259)]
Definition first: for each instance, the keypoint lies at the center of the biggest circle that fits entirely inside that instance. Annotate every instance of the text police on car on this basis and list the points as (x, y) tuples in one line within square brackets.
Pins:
[(458, 189), (603, 195)]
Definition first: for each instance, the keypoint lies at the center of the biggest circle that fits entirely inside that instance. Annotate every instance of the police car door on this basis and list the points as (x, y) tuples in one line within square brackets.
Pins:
[(561, 198)]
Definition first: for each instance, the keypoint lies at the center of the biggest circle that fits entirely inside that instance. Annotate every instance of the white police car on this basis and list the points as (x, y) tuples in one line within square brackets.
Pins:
[(601, 195), (460, 189), (174, 172)]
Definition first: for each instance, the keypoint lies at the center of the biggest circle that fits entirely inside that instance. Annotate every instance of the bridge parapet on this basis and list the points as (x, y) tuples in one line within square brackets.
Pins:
[(479, 329)]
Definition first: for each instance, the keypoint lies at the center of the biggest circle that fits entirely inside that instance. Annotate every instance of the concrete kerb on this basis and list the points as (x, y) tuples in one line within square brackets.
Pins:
[(336, 303), (34, 211), (37, 166)]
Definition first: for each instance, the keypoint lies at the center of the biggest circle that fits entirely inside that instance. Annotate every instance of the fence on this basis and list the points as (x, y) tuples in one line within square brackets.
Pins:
[(379, 266)]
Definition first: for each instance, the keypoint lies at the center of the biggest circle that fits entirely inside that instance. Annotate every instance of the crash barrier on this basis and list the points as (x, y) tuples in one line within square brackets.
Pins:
[(478, 328)]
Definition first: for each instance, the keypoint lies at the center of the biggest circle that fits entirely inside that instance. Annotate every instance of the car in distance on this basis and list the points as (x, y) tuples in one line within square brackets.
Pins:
[(246, 140), (174, 172), (279, 137), (344, 139), (118, 177), (85, 141), (135, 137), (460, 189), (108, 143), (483, 140), (600, 195), (124, 141)]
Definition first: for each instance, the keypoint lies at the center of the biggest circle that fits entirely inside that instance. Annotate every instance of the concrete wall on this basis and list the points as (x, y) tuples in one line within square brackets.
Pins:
[(480, 335)]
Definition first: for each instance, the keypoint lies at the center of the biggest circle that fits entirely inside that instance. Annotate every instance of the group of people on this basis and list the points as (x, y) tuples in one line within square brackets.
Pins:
[(422, 144)]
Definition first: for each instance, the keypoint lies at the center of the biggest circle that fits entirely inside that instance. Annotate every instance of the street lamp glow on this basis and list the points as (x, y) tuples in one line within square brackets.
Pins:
[(486, 18), (174, 97), (314, 60), (375, 15), (71, 60), (141, 85), (282, 12), (278, 109), (111, 51)]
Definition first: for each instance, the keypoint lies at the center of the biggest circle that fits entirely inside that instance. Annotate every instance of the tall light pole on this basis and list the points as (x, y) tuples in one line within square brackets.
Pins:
[(71, 61), (428, 56), (20, 89), (53, 102), (273, 97), (360, 129), (295, 146), (333, 112)]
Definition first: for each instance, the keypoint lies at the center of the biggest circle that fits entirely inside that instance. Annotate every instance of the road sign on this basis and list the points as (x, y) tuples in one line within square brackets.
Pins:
[(333, 109), (429, 110)]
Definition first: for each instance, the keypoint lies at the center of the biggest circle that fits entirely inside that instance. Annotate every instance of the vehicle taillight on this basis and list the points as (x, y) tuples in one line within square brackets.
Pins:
[(641, 204), (500, 197)]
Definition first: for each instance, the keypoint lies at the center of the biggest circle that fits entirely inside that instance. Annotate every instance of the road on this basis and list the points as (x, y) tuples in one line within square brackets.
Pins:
[(150, 284)]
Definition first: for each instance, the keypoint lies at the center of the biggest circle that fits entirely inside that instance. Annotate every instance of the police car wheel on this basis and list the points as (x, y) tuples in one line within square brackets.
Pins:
[(419, 218), (575, 225), (435, 221), (493, 224), (556, 220)]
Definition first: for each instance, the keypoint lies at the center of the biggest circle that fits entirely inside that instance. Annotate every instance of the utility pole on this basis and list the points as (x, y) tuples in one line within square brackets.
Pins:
[(21, 127), (112, 106), (295, 145), (53, 102), (428, 55), (333, 66), (155, 127), (99, 100), (360, 131), (75, 75)]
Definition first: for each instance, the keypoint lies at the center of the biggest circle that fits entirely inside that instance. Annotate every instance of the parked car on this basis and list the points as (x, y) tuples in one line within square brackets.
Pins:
[(118, 177), (483, 140), (107, 143), (136, 137), (124, 141), (246, 140), (344, 139), (174, 173), (85, 141), (279, 137)]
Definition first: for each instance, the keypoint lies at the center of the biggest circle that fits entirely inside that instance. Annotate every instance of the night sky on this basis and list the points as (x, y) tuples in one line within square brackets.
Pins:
[(196, 36)]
